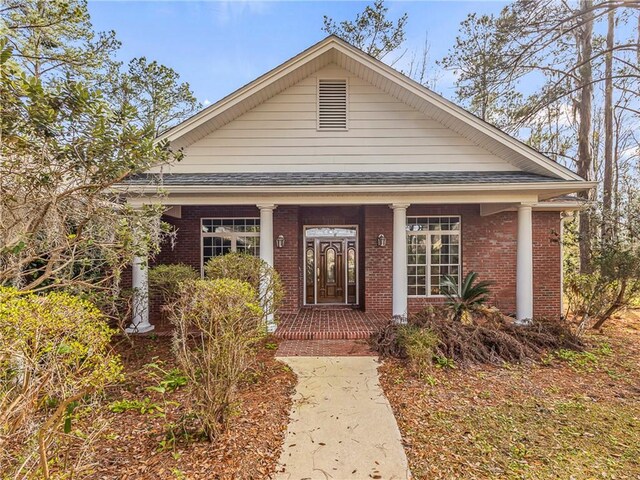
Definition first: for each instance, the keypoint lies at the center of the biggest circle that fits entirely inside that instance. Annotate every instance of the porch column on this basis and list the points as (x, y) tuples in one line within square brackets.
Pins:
[(140, 302), (266, 246), (400, 261), (524, 265)]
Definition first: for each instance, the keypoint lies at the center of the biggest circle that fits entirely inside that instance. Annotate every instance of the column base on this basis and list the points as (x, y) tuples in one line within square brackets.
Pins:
[(400, 319), (271, 324), (141, 328)]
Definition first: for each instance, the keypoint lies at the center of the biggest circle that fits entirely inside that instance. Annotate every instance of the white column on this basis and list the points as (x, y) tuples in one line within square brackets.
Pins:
[(140, 304), (266, 246), (524, 265), (400, 261)]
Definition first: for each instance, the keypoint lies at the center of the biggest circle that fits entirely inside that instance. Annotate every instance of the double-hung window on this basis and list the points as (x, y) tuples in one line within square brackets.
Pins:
[(433, 252), (223, 235)]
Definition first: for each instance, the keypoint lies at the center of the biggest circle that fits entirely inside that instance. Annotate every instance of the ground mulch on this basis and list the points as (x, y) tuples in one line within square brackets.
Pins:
[(134, 445), (573, 415)]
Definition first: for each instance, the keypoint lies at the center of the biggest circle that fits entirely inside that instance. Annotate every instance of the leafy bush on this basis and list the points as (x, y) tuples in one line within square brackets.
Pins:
[(252, 270), (54, 353), (218, 323), (165, 280), (466, 299), (613, 285), (418, 345)]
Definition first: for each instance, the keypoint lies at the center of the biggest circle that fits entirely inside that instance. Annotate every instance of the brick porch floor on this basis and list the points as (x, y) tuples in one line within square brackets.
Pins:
[(329, 324)]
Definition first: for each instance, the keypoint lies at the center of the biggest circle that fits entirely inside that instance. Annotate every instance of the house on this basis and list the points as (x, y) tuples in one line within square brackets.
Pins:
[(364, 189)]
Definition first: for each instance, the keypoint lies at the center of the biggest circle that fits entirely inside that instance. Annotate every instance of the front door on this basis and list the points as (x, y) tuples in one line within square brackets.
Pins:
[(330, 285), (331, 265)]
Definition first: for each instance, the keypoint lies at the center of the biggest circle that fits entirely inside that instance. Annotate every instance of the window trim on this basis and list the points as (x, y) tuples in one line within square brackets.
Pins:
[(233, 235), (428, 234), (347, 93)]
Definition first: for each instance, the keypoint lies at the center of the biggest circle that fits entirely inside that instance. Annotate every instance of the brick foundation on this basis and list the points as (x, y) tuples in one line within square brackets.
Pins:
[(488, 247)]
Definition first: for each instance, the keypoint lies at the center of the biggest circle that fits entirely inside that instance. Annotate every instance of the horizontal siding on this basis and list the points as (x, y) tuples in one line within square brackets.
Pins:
[(383, 134)]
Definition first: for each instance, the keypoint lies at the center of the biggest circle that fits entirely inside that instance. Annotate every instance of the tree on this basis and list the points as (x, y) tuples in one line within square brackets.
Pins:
[(607, 185), (477, 59), (371, 31), (55, 38), (64, 148), (550, 53), (155, 91)]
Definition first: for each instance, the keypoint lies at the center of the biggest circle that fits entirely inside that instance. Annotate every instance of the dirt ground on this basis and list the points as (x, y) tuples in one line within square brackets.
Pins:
[(145, 443), (573, 416)]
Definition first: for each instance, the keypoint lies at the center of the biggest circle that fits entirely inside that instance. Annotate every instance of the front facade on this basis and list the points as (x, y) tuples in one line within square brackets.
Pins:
[(363, 189)]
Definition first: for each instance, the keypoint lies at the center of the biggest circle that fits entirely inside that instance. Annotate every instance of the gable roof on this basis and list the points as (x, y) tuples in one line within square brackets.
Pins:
[(335, 50)]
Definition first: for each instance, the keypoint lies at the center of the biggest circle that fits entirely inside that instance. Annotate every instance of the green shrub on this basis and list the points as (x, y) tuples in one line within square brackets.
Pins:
[(419, 346), (466, 298), (54, 352), (252, 270), (165, 280), (218, 324)]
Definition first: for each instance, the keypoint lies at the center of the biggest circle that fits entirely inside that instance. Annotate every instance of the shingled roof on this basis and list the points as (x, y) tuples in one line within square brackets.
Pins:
[(338, 178)]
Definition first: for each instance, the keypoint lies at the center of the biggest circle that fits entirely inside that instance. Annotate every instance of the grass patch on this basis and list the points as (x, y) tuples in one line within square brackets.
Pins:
[(539, 440), (576, 415)]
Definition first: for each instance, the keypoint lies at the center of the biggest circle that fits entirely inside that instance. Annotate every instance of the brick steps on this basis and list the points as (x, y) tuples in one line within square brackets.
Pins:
[(329, 324), (323, 335)]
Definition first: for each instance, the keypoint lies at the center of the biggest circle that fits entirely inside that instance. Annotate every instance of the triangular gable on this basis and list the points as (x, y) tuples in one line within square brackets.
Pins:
[(334, 50)]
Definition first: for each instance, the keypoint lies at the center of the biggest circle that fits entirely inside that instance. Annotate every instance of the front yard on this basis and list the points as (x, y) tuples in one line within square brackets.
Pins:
[(576, 416), (140, 427)]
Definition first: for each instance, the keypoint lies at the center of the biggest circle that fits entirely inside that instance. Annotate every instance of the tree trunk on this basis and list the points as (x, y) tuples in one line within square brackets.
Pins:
[(585, 159), (615, 306), (607, 219)]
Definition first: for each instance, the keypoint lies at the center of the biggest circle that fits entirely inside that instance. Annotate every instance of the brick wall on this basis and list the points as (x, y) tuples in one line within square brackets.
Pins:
[(288, 260), (547, 264), (378, 268), (488, 247)]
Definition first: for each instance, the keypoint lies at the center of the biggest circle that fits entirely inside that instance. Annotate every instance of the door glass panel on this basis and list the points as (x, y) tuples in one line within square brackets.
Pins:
[(327, 232), (351, 265), (331, 265), (310, 265)]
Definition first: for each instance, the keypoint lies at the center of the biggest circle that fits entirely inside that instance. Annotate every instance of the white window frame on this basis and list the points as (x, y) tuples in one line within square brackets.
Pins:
[(428, 234), (333, 79), (234, 236)]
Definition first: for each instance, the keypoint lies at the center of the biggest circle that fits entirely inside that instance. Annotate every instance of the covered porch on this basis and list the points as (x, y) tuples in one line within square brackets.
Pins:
[(498, 231)]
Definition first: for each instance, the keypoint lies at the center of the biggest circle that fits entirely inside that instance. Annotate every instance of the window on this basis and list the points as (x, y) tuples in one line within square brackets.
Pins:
[(223, 235), (332, 104), (433, 252)]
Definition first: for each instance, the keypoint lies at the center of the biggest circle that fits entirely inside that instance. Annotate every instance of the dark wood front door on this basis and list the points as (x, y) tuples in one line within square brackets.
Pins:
[(331, 271)]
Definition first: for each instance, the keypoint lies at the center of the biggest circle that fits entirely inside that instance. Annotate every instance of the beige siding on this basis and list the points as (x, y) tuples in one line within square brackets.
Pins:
[(384, 134)]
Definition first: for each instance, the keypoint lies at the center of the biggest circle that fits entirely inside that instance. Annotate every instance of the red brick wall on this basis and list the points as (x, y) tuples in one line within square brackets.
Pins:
[(378, 269), (488, 247), (547, 265), (288, 260)]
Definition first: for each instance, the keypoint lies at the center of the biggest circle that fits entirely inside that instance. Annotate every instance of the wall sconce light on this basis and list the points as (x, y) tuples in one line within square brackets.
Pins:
[(382, 240), (280, 241)]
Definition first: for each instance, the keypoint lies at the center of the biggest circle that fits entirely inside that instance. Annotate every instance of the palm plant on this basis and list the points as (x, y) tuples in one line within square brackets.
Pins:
[(471, 294)]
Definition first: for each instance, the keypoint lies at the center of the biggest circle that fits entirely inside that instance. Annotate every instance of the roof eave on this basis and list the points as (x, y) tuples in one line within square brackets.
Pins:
[(551, 188)]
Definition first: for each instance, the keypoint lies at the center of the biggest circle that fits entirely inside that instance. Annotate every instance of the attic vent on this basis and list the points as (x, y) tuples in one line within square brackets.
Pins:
[(332, 104)]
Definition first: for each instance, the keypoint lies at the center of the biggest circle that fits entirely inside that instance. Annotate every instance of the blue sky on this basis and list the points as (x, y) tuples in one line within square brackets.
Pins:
[(218, 46)]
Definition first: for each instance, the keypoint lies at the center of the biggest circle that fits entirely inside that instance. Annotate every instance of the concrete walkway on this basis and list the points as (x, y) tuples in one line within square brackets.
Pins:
[(341, 425)]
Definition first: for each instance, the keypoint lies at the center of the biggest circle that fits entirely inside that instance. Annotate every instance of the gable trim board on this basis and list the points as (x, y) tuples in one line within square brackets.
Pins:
[(333, 50)]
